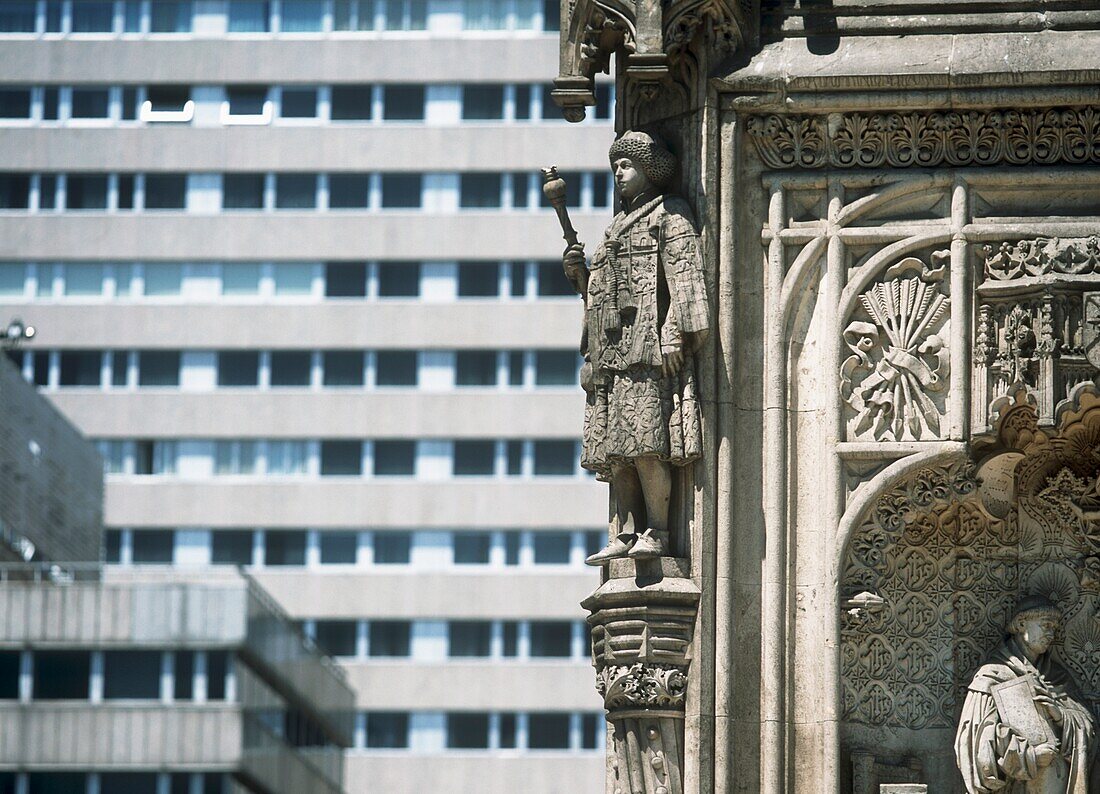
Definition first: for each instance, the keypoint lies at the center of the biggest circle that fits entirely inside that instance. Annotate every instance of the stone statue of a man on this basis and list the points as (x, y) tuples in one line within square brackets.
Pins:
[(1023, 728), (646, 312)]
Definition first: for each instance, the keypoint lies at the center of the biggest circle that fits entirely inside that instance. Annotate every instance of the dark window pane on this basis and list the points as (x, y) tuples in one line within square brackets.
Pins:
[(387, 729), (339, 548), (523, 102), (238, 368), (131, 675), (389, 637), (15, 103), (217, 668), (47, 191), (170, 16), (284, 547), (551, 638), (394, 458), (603, 101), (345, 280), (296, 191), (348, 191), (519, 190), (593, 542), (231, 547), (399, 280), (472, 548), (131, 16), (168, 98), (341, 458), (392, 548), (56, 783), (299, 103), (556, 368), (125, 191), (467, 731), (17, 16), (351, 103), (474, 458), (158, 367), (165, 191), (343, 367), (184, 675), (482, 102), (468, 638), (51, 104), (80, 367), (396, 368), (243, 191), (290, 367), (401, 191), (552, 281), (590, 731), (112, 545), (15, 191), (61, 675), (336, 637), (249, 16), (129, 104), (93, 16), (9, 675), (302, 16), (479, 191), (153, 546), (548, 731), (41, 366), (601, 190), (478, 280), (507, 730), (515, 370), (551, 15), (511, 548), (90, 103), (555, 457), (86, 192), (552, 548), (510, 637), (403, 102), (476, 368)]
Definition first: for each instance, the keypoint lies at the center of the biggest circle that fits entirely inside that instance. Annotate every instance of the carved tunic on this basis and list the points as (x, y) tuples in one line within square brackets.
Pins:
[(994, 757), (646, 298)]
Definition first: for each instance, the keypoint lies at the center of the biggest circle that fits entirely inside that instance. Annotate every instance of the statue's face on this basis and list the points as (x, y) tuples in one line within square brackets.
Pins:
[(1038, 633), (631, 180)]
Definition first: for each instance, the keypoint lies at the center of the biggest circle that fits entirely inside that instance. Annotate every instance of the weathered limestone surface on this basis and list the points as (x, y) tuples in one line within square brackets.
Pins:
[(898, 217)]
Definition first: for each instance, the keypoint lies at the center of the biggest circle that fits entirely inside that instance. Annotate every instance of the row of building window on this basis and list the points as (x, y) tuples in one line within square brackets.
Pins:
[(472, 730), (260, 17), (167, 676), (205, 193), (434, 459), (248, 281), (424, 550), (207, 105), (456, 639), (78, 782), (200, 370)]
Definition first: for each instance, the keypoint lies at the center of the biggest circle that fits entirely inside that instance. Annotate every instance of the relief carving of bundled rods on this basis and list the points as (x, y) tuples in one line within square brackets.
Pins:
[(641, 685), (1038, 257), (865, 140)]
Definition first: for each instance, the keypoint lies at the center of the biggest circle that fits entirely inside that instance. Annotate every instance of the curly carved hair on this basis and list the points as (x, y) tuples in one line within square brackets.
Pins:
[(648, 153)]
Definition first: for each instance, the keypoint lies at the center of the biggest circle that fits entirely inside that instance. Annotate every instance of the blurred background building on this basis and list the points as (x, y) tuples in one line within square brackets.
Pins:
[(291, 271)]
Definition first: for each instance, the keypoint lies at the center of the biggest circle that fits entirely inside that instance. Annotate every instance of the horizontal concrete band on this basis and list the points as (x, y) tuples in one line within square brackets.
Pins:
[(503, 772), (310, 59), (552, 503), (335, 147), (391, 234)]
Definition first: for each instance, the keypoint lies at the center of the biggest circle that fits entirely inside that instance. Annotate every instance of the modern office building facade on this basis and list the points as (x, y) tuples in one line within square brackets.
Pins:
[(291, 269)]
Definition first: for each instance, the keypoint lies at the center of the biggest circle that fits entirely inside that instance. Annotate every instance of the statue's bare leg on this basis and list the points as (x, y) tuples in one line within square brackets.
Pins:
[(630, 514), (655, 476)]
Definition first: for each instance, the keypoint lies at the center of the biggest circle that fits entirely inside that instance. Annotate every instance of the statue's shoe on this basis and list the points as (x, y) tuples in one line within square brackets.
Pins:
[(614, 550), (647, 547)]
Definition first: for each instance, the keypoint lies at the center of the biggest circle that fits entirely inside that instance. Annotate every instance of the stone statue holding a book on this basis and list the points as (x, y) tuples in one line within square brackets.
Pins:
[(1024, 728)]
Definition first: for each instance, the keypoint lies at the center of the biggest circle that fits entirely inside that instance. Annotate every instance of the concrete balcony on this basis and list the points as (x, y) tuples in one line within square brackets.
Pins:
[(485, 772), (561, 503)]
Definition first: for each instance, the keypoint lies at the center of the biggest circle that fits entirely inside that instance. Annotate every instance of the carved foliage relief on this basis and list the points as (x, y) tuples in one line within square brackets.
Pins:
[(895, 380)]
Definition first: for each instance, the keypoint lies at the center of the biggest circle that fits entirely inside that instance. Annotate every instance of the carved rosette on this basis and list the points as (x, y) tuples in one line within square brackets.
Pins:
[(641, 634)]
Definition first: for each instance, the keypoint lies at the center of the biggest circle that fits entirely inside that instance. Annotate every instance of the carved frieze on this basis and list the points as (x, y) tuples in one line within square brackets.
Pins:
[(921, 138), (897, 373)]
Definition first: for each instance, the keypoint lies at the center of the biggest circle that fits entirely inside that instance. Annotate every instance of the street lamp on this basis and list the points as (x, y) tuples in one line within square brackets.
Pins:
[(15, 333)]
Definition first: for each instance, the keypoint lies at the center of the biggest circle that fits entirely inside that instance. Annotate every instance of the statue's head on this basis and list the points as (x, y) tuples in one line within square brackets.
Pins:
[(1035, 622), (640, 162)]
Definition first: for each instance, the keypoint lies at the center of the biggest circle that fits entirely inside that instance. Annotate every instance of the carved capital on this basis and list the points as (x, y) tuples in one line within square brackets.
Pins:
[(642, 686)]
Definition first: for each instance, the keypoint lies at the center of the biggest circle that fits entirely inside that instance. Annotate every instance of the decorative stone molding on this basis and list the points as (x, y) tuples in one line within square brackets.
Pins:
[(642, 622), (651, 38), (922, 138), (894, 379)]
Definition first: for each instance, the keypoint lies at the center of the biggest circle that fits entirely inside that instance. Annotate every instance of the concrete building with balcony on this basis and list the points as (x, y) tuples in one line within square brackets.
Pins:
[(291, 269)]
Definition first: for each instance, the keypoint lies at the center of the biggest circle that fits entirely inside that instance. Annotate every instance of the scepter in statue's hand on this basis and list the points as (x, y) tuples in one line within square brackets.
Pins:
[(553, 187)]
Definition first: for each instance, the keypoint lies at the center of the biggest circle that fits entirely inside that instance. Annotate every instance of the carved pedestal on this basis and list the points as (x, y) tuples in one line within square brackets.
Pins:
[(642, 620)]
